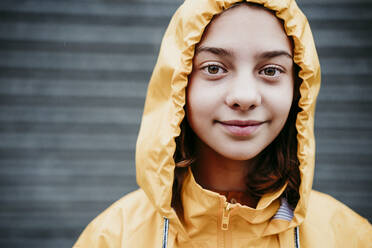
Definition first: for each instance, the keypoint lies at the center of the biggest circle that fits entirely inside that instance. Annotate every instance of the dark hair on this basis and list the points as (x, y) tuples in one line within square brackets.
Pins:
[(275, 166)]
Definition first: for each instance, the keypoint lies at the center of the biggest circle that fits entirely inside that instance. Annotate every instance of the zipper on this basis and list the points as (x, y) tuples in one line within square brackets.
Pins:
[(226, 216)]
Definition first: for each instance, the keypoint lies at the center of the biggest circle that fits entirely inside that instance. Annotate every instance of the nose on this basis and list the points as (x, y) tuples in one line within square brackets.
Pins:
[(243, 93)]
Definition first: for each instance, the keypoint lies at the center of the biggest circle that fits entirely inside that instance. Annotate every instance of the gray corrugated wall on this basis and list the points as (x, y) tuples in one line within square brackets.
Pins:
[(73, 77)]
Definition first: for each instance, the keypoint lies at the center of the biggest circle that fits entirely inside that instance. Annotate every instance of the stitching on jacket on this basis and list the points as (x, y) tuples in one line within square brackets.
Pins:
[(165, 233)]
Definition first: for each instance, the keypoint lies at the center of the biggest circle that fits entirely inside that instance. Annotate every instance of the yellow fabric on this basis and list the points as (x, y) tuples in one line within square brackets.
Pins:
[(137, 219)]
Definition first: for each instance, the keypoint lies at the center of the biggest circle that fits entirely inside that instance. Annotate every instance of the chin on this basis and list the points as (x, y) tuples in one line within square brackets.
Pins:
[(239, 155)]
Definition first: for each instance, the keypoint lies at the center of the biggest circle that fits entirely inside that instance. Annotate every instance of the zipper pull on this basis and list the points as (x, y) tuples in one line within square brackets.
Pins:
[(225, 217)]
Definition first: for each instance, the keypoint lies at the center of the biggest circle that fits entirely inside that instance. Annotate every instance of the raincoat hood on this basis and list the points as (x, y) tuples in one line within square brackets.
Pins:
[(164, 111)]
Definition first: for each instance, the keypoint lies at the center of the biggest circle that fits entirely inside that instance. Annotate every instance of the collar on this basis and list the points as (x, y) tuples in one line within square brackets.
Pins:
[(198, 201)]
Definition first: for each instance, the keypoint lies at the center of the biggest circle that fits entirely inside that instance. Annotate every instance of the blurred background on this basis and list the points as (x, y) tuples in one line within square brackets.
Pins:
[(73, 78)]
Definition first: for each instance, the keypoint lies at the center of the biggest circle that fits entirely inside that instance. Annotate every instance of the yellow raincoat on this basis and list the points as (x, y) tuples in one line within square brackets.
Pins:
[(145, 219)]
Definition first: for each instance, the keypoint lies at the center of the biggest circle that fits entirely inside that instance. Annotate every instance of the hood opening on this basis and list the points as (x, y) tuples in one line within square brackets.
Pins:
[(161, 126)]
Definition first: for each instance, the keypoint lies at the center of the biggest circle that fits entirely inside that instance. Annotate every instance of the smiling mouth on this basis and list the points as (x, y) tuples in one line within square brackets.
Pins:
[(240, 127)]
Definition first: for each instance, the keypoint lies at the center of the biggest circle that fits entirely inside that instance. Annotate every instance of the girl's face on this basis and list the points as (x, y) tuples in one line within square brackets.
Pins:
[(241, 88)]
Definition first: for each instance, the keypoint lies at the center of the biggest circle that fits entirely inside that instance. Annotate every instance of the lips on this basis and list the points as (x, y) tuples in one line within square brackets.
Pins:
[(241, 127)]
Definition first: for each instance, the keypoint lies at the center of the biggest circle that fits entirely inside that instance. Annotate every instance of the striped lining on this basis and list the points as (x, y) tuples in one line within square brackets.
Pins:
[(284, 212)]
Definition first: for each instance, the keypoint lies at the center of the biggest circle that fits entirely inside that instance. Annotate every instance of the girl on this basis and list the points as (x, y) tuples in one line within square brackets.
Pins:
[(225, 154)]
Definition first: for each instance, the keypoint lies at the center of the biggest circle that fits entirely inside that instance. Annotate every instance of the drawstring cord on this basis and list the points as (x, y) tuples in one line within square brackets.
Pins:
[(166, 227), (165, 232), (297, 236)]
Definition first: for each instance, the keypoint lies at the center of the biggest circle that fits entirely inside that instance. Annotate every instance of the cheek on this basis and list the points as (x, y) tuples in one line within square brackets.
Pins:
[(200, 99), (280, 101), (194, 103)]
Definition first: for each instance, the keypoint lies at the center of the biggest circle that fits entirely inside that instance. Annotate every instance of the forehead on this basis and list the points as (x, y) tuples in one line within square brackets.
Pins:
[(246, 27)]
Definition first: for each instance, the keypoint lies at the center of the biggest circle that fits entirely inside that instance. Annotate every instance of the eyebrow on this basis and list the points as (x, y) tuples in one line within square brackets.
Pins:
[(226, 53), (275, 53), (215, 50)]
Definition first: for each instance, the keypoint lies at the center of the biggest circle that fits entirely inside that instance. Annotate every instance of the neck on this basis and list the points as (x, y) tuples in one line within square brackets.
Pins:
[(218, 173)]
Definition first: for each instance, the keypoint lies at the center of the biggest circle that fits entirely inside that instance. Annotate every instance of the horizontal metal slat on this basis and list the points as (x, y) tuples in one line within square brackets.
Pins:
[(363, 51), (60, 61), (68, 141), (78, 47), (80, 33), (351, 38), (55, 128), (71, 101), (37, 242), (351, 174), (74, 74), (351, 93), (77, 88), (329, 10), (71, 115), (341, 24), (37, 231), (331, 158), (54, 168), (66, 193), (348, 66), (51, 154), (94, 8), (87, 19), (344, 146), (333, 107), (56, 181), (47, 206)]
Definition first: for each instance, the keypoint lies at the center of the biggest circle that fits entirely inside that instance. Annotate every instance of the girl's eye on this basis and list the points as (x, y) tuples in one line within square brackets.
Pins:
[(213, 69), (271, 71)]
